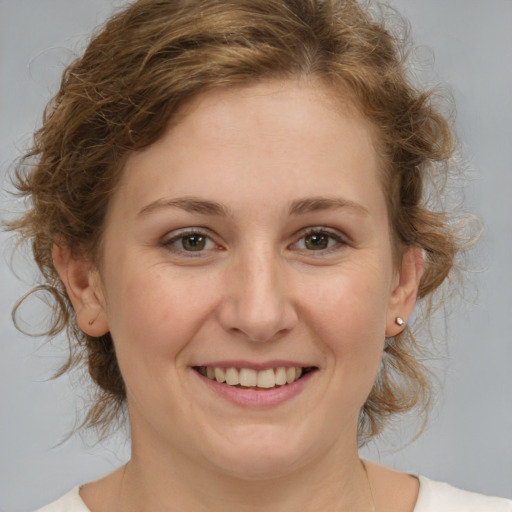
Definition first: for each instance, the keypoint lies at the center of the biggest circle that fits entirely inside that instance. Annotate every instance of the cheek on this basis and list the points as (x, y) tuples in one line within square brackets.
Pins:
[(347, 318), (156, 312), (348, 314), (352, 299)]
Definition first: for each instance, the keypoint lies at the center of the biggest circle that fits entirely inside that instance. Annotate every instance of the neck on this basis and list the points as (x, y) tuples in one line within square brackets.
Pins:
[(335, 482)]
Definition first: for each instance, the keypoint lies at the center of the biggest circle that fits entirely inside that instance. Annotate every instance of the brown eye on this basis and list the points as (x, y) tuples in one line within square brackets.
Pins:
[(185, 243), (317, 241), (193, 242), (320, 240)]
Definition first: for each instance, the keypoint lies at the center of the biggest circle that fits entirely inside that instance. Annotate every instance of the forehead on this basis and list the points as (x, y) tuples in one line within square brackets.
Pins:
[(293, 137), (302, 107)]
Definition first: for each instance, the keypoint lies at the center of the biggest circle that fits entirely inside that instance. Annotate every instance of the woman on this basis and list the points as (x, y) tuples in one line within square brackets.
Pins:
[(228, 211)]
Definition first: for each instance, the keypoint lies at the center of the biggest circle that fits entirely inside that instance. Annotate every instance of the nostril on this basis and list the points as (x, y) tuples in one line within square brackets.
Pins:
[(258, 310)]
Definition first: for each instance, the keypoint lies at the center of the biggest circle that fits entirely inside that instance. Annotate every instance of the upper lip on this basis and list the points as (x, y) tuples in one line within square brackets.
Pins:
[(255, 365)]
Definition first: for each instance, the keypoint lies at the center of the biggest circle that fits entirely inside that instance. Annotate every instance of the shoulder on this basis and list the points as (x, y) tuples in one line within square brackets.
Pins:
[(441, 497), (70, 502)]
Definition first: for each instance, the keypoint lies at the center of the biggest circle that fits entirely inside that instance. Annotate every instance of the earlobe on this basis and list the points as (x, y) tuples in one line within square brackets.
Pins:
[(83, 288), (405, 293)]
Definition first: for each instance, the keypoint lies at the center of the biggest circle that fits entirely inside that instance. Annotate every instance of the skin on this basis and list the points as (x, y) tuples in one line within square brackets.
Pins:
[(257, 292)]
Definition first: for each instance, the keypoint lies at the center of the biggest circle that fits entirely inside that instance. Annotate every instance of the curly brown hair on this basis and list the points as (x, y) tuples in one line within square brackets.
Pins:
[(153, 56)]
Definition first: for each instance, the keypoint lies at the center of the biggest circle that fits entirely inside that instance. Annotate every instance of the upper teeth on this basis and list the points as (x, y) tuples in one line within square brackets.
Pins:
[(247, 377)]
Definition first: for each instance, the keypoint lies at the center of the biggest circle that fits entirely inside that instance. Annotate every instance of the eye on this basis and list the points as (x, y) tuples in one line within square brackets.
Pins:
[(190, 241), (318, 239), (193, 242)]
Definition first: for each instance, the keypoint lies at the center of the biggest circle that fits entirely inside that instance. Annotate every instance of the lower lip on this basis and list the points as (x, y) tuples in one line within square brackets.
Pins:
[(256, 397)]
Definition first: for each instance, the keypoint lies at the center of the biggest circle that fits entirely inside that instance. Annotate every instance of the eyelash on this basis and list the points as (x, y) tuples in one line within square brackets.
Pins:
[(169, 243), (181, 236), (339, 240)]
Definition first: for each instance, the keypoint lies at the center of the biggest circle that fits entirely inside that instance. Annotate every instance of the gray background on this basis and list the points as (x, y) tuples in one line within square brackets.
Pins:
[(469, 438)]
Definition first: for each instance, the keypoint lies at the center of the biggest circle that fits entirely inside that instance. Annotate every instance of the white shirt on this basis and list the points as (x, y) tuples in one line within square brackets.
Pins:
[(433, 497), (441, 497)]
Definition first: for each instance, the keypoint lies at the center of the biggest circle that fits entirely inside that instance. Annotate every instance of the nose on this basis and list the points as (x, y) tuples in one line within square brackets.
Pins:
[(257, 302)]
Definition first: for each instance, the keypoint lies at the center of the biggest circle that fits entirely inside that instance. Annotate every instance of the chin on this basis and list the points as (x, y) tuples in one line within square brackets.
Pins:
[(262, 455)]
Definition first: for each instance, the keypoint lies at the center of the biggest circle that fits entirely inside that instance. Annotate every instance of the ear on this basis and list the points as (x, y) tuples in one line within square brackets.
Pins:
[(83, 287), (405, 291)]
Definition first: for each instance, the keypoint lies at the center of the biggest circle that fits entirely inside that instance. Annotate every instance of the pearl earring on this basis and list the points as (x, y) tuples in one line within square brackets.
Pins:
[(399, 321)]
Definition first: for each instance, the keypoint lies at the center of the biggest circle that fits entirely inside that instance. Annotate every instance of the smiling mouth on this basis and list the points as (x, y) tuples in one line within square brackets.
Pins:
[(249, 378)]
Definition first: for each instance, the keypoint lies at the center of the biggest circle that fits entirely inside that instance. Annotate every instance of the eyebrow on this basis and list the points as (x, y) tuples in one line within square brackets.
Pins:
[(206, 207), (189, 204), (314, 204)]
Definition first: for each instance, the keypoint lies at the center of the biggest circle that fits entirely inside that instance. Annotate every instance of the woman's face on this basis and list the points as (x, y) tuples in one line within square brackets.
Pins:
[(250, 240)]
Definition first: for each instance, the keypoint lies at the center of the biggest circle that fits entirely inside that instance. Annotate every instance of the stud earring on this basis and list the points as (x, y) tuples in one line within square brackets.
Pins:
[(399, 321)]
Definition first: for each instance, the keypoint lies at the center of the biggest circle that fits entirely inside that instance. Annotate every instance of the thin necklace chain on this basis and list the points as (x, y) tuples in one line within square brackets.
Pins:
[(372, 499), (370, 490)]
